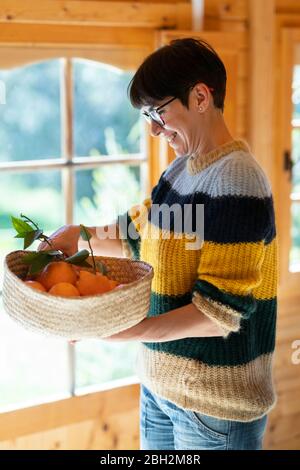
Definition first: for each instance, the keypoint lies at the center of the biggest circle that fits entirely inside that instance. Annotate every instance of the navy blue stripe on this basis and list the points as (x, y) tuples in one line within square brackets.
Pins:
[(227, 219), (256, 337)]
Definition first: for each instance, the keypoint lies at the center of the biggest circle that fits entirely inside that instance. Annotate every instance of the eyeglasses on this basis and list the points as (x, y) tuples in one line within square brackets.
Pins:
[(153, 114)]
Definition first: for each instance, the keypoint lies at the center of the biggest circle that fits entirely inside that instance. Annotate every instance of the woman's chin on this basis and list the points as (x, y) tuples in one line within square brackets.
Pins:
[(177, 148), (178, 152)]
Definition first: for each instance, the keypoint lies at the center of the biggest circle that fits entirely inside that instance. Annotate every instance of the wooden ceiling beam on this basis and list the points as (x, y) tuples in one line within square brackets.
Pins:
[(76, 12)]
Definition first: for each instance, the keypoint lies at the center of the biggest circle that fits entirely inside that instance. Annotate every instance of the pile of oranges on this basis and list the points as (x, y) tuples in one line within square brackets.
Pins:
[(66, 280)]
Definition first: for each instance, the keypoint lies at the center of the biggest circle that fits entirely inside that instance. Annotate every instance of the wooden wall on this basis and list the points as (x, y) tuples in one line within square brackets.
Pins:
[(284, 421), (102, 420)]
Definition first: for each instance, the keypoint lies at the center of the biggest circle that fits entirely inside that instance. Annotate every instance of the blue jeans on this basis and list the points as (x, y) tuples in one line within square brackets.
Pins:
[(165, 426)]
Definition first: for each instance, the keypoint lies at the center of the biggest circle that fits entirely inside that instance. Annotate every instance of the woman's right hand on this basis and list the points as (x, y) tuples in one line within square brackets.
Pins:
[(65, 239)]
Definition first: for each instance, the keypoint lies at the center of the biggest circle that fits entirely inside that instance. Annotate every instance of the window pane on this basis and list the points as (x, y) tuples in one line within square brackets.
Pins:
[(295, 236), (296, 92), (105, 192), (98, 362), (296, 160), (32, 367), (105, 123), (101, 195), (38, 195), (30, 119)]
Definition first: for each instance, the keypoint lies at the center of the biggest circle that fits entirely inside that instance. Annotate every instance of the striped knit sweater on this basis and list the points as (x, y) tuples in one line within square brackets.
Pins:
[(231, 278)]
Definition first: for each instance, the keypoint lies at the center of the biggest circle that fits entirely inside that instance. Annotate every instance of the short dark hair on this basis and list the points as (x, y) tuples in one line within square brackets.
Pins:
[(173, 69)]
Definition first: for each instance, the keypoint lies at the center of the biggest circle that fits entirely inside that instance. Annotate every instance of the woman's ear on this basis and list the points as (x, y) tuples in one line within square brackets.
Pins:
[(201, 97)]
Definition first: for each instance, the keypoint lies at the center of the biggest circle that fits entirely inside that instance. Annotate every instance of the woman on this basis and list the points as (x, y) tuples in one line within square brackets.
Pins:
[(206, 347)]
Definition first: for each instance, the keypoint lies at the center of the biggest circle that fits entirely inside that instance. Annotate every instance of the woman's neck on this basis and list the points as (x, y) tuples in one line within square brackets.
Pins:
[(217, 133)]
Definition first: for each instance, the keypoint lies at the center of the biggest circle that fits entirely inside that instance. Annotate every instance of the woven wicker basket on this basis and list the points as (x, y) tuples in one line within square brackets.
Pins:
[(95, 316)]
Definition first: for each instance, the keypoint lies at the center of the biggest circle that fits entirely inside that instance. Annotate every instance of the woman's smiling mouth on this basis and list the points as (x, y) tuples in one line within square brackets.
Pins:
[(172, 138)]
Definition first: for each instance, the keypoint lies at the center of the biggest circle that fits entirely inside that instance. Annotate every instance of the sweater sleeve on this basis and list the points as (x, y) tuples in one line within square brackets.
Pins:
[(239, 225), (133, 221), (130, 226)]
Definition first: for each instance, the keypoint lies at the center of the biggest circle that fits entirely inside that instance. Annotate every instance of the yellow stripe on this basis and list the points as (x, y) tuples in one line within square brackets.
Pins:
[(238, 268), (268, 287), (175, 267)]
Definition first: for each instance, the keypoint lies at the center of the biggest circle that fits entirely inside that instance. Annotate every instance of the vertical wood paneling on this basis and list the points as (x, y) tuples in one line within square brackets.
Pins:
[(261, 55)]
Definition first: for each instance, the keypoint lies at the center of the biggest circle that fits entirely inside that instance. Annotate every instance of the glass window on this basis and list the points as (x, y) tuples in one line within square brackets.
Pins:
[(294, 261), (103, 193), (296, 92), (30, 118), (296, 161), (98, 362), (104, 121), (295, 237), (36, 194), (33, 367)]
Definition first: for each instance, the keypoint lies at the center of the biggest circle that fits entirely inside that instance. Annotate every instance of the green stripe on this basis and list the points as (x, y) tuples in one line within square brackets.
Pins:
[(135, 248), (245, 304), (164, 303), (256, 337), (124, 220)]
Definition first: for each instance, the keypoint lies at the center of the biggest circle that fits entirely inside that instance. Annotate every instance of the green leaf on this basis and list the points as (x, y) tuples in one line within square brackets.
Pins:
[(80, 256), (39, 259), (83, 264), (39, 263), (30, 237), (21, 235), (20, 226), (101, 268), (29, 257), (85, 234)]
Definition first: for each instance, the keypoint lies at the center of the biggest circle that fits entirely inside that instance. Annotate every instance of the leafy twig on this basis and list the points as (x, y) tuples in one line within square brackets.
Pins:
[(47, 240), (86, 236), (42, 236), (30, 232), (29, 220)]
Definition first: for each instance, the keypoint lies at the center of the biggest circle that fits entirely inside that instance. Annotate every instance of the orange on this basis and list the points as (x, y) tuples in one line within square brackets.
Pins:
[(56, 272), (108, 283), (36, 285), (92, 284), (113, 284), (64, 289)]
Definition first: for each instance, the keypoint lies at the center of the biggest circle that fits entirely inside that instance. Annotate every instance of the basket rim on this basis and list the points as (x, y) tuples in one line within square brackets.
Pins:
[(126, 286)]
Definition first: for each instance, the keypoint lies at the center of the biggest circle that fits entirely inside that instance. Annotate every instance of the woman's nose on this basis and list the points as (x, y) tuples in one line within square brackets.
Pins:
[(155, 128)]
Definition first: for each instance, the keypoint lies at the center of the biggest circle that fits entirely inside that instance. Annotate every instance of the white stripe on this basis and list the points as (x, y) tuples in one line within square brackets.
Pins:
[(237, 174)]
